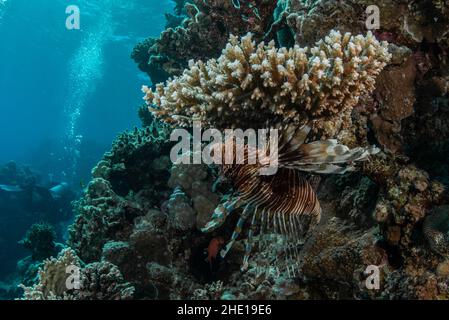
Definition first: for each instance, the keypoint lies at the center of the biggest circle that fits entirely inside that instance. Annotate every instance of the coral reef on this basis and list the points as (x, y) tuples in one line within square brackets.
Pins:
[(52, 278), (405, 22), (251, 83), (103, 281), (205, 31), (118, 181), (143, 225), (197, 182), (96, 281), (40, 239), (141, 55), (309, 21), (26, 199), (14, 174), (406, 196), (436, 230), (138, 223)]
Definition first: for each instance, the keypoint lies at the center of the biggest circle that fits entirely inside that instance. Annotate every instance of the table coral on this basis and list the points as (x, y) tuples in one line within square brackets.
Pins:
[(250, 83)]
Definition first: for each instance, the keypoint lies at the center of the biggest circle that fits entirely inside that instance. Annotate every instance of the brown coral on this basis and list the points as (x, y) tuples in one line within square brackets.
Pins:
[(205, 31), (250, 83)]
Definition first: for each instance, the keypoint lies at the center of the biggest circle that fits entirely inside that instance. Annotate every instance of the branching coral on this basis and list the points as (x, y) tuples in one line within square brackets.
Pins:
[(53, 277), (251, 83), (125, 224)]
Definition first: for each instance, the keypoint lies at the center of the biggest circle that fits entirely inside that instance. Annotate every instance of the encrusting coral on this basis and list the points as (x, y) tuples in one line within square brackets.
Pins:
[(250, 83), (436, 230), (66, 278), (116, 177), (141, 55), (406, 196), (205, 31)]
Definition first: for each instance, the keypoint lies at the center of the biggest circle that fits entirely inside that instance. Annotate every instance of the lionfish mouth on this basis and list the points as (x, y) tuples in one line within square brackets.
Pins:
[(285, 203)]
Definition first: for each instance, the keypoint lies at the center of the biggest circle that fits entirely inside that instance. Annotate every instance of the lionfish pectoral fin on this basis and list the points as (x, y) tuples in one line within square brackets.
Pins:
[(300, 135), (220, 214), (327, 156), (237, 231), (314, 181), (293, 138), (322, 168), (332, 152)]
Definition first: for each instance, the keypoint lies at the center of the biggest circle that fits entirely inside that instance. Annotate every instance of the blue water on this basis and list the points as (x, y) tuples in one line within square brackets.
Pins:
[(65, 94)]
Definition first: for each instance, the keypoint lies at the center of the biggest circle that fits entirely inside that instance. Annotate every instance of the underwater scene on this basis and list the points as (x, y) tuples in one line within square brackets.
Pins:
[(224, 150)]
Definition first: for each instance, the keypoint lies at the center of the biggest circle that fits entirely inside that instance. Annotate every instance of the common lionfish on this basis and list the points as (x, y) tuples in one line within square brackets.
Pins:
[(284, 203)]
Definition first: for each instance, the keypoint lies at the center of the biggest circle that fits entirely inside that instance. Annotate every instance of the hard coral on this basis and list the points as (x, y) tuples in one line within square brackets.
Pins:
[(103, 281), (102, 215), (311, 20), (133, 170), (436, 230), (405, 200), (141, 56), (40, 239), (206, 30), (52, 278), (250, 83), (97, 281), (197, 181)]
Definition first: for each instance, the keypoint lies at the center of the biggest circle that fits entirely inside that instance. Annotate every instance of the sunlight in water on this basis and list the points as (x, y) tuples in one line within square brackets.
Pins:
[(2, 8), (85, 70)]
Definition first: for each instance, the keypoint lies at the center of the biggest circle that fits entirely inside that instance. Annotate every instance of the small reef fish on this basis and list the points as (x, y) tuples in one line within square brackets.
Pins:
[(213, 249)]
